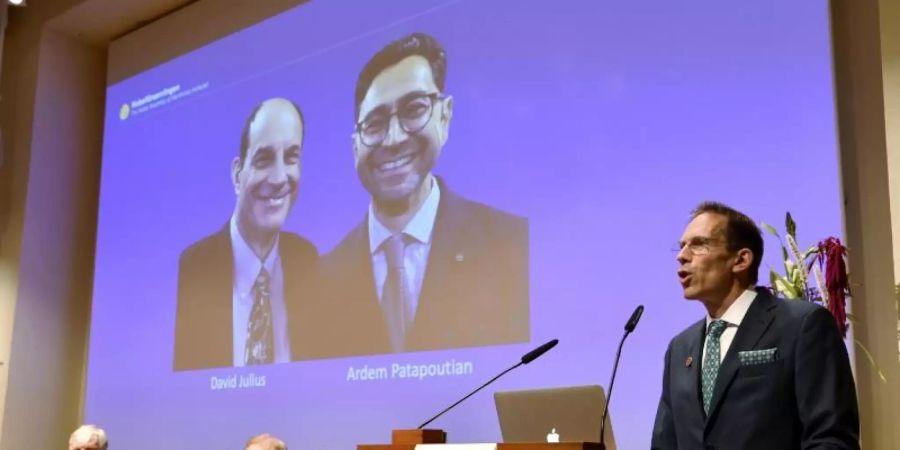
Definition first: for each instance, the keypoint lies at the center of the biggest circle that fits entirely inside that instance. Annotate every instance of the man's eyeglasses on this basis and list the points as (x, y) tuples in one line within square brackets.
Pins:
[(697, 246), (413, 114)]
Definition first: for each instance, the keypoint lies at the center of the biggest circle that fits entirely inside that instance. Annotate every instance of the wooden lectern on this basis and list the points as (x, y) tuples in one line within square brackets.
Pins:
[(408, 439)]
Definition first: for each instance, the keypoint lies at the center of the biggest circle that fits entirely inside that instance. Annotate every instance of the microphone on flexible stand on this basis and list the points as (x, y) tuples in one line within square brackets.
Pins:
[(526, 358), (629, 327)]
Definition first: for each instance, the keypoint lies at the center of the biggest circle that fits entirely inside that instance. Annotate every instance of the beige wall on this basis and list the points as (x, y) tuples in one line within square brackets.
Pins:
[(18, 80), (890, 50), (890, 17), (57, 240), (52, 94), (859, 51), (890, 44), (51, 277)]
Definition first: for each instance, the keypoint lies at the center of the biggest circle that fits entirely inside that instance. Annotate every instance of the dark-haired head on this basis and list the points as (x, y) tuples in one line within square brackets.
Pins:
[(416, 44), (718, 256), (402, 122), (740, 232)]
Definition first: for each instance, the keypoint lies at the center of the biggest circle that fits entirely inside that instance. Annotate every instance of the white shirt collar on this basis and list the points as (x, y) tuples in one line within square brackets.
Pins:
[(736, 312), (419, 227), (246, 263)]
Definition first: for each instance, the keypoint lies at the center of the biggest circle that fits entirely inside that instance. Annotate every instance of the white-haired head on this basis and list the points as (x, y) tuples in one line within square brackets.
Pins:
[(88, 437), (265, 441)]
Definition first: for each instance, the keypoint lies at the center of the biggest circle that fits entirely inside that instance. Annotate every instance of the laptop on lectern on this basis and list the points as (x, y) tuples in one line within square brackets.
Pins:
[(569, 414)]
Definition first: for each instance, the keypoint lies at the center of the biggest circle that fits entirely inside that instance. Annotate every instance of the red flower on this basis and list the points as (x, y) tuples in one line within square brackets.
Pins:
[(831, 254)]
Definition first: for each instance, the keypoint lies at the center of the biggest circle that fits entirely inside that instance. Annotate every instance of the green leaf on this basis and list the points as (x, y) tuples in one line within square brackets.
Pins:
[(790, 225), (786, 288), (770, 229), (781, 286), (789, 268)]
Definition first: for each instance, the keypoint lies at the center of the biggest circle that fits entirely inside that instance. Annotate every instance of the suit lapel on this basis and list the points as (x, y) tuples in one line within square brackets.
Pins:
[(291, 276), (365, 315), (693, 365), (294, 280), (363, 260), (300, 295), (755, 324), (219, 317), (447, 245)]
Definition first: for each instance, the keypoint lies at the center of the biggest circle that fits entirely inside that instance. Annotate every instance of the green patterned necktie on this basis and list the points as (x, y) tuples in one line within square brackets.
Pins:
[(712, 360)]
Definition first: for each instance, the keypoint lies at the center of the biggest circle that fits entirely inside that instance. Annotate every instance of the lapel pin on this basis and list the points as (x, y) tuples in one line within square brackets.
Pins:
[(688, 361)]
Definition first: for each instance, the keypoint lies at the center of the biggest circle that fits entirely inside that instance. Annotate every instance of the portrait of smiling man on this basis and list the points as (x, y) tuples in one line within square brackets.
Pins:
[(240, 289), (426, 268)]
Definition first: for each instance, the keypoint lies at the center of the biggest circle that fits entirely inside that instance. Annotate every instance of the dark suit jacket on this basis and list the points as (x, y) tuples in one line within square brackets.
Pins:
[(475, 290), (203, 323), (804, 399)]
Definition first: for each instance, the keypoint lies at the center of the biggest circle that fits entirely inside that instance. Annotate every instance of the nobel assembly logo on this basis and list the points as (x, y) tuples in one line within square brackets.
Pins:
[(124, 111), (157, 99)]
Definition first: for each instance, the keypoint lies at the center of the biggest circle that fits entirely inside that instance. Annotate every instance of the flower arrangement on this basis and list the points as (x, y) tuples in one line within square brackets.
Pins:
[(824, 262)]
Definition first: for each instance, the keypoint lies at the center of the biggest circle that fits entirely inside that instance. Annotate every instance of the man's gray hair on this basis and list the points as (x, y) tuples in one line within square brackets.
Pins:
[(89, 435), (265, 441)]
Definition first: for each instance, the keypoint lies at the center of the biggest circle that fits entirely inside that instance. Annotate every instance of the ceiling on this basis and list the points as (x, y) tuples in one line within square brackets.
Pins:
[(98, 22)]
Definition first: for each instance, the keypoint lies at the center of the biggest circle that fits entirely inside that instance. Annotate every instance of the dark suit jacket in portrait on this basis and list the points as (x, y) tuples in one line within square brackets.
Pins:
[(475, 290), (203, 324), (804, 398)]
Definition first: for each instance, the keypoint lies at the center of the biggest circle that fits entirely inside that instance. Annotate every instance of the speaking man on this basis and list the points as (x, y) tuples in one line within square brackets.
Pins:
[(757, 372)]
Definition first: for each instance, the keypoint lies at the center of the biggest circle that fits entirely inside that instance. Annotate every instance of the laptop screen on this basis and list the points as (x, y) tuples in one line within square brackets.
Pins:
[(563, 414)]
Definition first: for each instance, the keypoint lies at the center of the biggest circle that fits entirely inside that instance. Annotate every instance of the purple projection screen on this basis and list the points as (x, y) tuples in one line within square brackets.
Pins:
[(597, 125)]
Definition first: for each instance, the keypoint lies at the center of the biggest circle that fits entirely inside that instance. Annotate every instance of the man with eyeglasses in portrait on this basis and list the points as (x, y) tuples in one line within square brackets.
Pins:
[(88, 437), (426, 268), (758, 372)]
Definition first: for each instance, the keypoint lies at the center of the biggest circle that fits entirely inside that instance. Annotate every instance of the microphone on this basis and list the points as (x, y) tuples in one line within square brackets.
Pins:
[(526, 358), (635, 317), (629, 327), (536, 353)]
